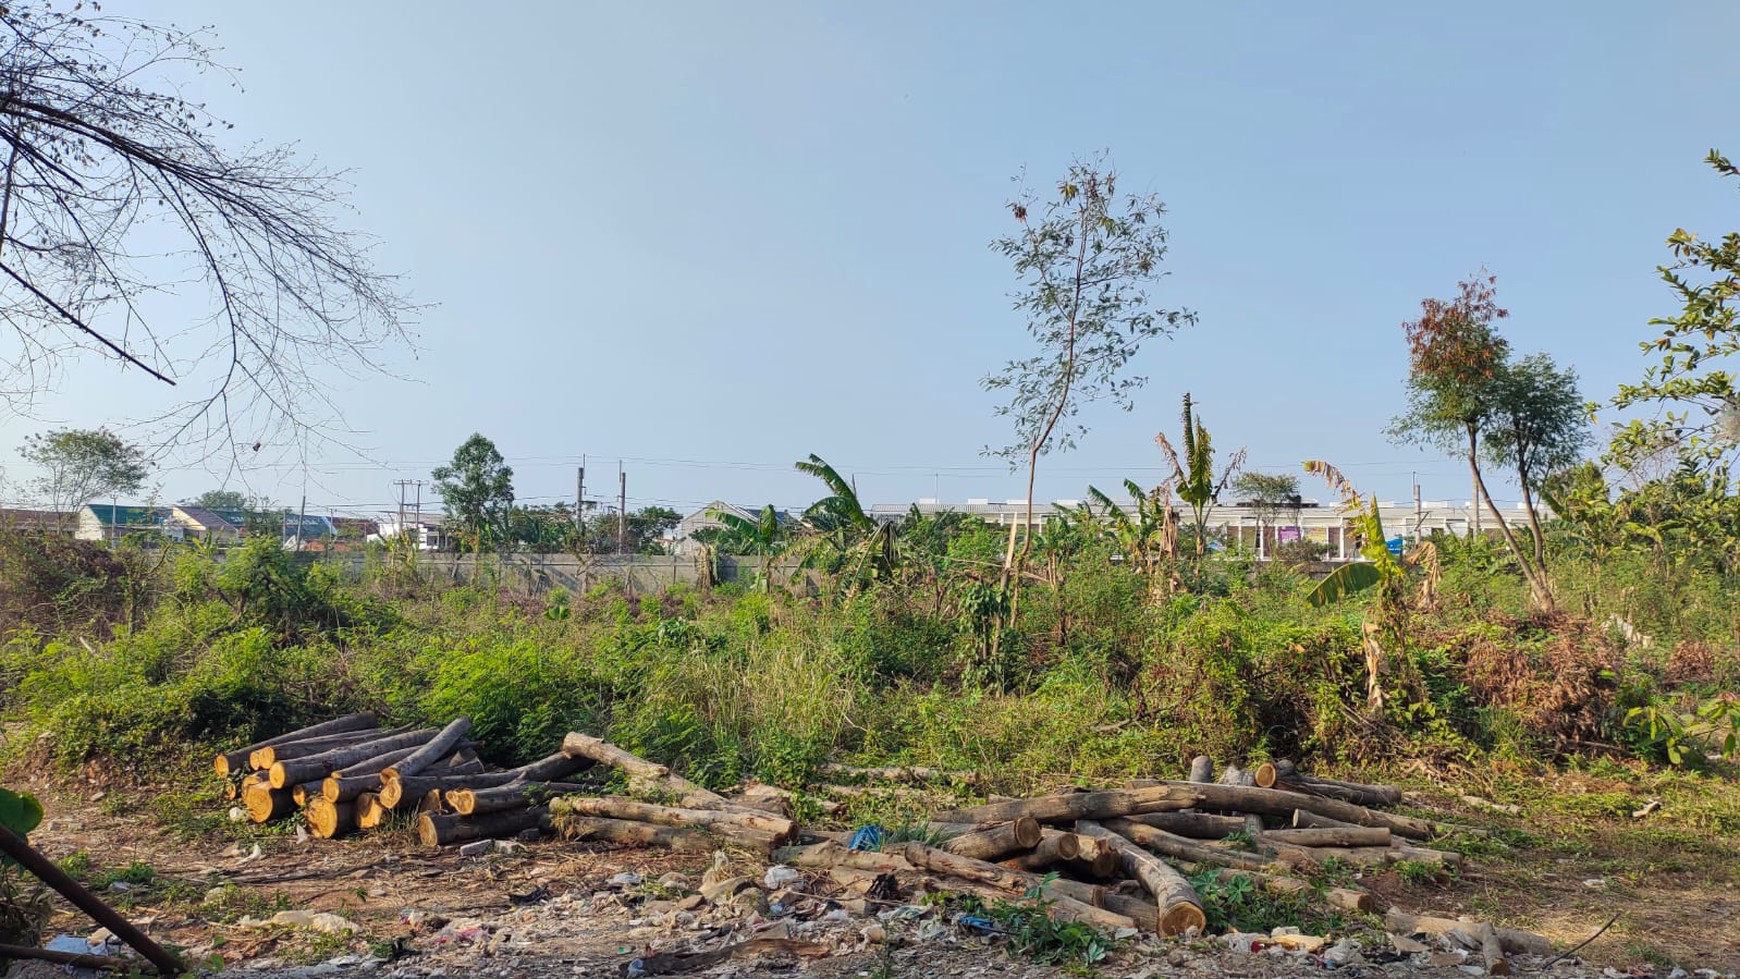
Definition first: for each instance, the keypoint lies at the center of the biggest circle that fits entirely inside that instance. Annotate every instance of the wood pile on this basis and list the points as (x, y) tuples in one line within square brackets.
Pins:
[(1116, 858)]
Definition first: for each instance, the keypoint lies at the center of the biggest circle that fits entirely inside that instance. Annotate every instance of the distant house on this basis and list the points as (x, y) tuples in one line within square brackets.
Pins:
[(355, 528), (212, 526), (107, 522), (427, 530), (705, 519), (37, 521)]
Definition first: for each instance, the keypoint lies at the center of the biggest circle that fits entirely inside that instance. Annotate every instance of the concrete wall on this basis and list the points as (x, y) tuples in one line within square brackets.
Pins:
[(639, 573)]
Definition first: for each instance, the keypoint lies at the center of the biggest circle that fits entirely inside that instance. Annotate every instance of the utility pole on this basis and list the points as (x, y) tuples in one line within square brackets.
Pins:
[(301, 520), (1419, 517), (579, 502), (400, 526), (621, 510)]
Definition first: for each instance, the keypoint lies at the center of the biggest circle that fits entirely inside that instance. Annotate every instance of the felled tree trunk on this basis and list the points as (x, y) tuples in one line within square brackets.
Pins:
[(1068, 807), (263, 759), (1510, 939), (1160, 841), (1019, 836), (629, 833), (435, 829), (1201, 769), (1180, 908), (741, 825), (229, 761), (1285, 775), (433, 750), (316, 767), (1013, 882), (513, 795), (327, 820), (1333, 836), (1195, 825), (642, 772), (1054, 847)]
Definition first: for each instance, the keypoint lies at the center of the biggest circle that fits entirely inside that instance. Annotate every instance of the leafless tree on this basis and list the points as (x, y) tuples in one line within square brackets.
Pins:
[(123, 203)]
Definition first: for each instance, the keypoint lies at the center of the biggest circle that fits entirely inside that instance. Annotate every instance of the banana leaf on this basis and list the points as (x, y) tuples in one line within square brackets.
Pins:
[(1344, 581)]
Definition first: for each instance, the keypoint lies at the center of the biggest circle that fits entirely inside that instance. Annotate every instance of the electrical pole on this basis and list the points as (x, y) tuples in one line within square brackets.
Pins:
[(1419, 518), (621, 510), (301, 521), (579, 502), (399, 528)]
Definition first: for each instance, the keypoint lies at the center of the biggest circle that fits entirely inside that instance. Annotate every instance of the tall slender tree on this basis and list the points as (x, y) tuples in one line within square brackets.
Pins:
[(1539, 426), (1458, 371), (81, 466), (1087, 259), (477, 489)]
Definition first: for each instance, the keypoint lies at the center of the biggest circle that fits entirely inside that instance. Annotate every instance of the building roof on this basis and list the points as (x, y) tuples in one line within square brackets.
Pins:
[(210, 520), (23, 519), (128, 516)]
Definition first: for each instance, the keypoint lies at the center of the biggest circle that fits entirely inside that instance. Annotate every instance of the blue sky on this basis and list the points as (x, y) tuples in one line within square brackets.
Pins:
[(710, 239)]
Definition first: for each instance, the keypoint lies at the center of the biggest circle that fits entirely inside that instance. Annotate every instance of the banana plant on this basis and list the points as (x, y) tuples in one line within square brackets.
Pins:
[(850, 541), (1381, 570), (1193, 477), (1148, 537), (765, 537)]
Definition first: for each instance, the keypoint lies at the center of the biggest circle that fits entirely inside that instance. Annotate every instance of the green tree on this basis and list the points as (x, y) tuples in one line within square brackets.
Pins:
[(766, 537), (1193, 477), (1270, 496), (1086, 260), (1457, 373), (843, 536), (477, 489), (82, 466), (220, 499), (1689, 378), (1539, 426)]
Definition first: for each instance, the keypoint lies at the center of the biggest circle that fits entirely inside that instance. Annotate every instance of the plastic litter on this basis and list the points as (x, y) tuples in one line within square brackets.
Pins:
[(868, 837)]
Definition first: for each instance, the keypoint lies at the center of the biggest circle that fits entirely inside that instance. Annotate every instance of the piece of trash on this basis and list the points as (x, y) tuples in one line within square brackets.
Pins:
[(779, 877), (874, 934), (324, 921), (238, 814), (250, 858), (121, 886), (984, 926), (301, 833), (1648, 807), (629, 879), (1406, 945), (867, 837), (1595, 882), (533, 896)]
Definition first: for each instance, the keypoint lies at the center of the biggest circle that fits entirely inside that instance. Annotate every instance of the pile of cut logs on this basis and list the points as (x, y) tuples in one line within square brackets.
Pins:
[(1117, 857), (349, 774)]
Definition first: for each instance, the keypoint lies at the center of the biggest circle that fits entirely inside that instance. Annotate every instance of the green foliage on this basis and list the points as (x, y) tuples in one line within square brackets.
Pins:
[(20, 812), (476, 487), (1031, 931), (1689, 375), (1239, 902), (84, 465), (1344, 581)]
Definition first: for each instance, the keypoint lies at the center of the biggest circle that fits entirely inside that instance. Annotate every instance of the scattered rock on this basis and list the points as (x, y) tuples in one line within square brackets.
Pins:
[(676, 882), (477, 848), (628, 879)]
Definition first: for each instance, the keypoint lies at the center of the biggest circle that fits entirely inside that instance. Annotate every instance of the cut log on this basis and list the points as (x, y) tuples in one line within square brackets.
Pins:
[(747, 826), (1016, 883), (435, 829), (402, 793), (900, 773), (1332, 836), (370, 814), (434, 800), (998, 842), (1317, 856), (1286, 775), (1482, 937), (1145, 913), (1510, 939), (1279, 802), (1097, 858), (1180, 908), (265, 803), (644, 775), (1195, 825), (445, 741), (1054, 847), (315, 767), (827, 855), (1179, 848), (624, 832), (347, 783), (1420, 854), (1234, 775), (1071, 806), (229, 761), (262, 759), (1201, 769), (513, 795), (327, 820)]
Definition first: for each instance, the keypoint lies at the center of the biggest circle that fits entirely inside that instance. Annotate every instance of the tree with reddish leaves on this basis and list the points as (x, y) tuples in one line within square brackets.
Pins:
[(1459, 389)]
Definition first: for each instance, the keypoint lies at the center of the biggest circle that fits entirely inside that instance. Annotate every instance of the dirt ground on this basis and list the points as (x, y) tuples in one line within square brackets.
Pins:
[(550, 907)]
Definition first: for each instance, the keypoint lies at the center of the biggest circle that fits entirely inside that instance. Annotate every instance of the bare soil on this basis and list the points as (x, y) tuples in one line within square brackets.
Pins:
[(549, 907)]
